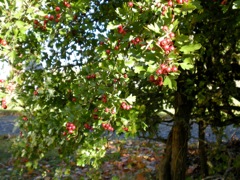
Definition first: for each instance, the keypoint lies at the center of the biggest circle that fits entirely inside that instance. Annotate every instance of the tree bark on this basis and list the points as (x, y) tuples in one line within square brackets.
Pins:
[(165, 166), (176, 152), (202, 150)]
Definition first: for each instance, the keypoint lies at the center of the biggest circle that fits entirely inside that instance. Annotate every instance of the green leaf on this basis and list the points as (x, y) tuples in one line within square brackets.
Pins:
[(188, 7), (131, 99), (138, 69), (197, 4), (188, 60), (129, 63), (236, 4), (20, 24), (124, 121), (154, 27), (111, 26), (190, 48), (151, 68), (167, 82), (186, 66)]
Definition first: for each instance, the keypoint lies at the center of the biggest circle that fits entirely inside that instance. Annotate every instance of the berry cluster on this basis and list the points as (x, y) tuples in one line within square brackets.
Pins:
[(136, 41), (107, 127), (67, 4), (166, 44), (121, 30), (95, 116), (157, 82), (54, 18), (70, 127), (104, 98), (87, 126), (125, 106), (91, 76), (165, 69)]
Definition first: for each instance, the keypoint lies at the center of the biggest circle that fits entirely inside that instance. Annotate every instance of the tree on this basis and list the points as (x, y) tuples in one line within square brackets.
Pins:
[(95, 80)]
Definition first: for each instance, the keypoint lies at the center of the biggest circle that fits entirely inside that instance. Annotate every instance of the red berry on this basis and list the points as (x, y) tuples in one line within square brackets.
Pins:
[(166, 47), (180, 1), (70, 131), (128, 107), (171, 48), (171, 35), (95, 116), (137, 40), (116, 48), (73, 127), (24, 118), (174, 69), (108, 51), (104, 125), (35, 93), (57, 8), (3, 42), (160, 81), (159, 71), (104, 99), (170, 3), (87, 126), (58, 16), (165, 28), (164, 8), (67, 4), (151, 78), (123, 105), (36, 22), (125, 75), (107, 110), (130, 4), (51, 17), (163, 66), (169, 70), (113, 111), (93, 76), (163, 42), (74, 99)]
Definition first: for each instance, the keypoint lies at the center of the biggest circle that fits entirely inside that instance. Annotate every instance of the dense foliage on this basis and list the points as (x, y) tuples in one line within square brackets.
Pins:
[(89, 70)]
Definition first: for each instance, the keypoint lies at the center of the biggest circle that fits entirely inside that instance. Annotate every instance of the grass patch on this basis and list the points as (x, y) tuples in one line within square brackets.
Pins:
[(5, 145), (9, 112)]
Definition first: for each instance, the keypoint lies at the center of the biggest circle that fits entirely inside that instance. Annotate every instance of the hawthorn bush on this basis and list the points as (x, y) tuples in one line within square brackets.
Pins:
[(89, 70)]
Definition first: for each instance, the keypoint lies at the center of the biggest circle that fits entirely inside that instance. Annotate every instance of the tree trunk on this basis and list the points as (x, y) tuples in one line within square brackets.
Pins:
[(165, 166), (202, 150), (176, 152)]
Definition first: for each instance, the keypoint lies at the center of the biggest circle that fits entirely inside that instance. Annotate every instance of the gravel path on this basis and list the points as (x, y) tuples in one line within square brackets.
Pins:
[(7, 125)]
